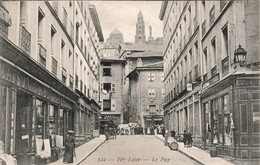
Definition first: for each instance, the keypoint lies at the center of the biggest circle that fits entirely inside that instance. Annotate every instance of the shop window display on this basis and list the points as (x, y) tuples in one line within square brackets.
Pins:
[(256, 118), (227, 120), (60, 132), (52, 123), (3, 113)]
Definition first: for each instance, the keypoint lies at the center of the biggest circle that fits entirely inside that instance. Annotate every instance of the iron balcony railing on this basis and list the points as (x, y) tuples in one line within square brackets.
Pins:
[(25, 40)]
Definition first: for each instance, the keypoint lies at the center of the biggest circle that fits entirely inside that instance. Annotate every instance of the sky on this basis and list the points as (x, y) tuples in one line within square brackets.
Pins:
[(122, 15)]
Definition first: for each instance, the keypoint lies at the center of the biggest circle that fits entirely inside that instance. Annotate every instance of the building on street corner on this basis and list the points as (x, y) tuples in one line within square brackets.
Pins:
[(211, 65), (49, 76), (111, 81)]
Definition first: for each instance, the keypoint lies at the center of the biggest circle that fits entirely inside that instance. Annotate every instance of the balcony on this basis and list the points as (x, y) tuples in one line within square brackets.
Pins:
[(225, 66), (42, 55), (54, 65), (5, 21), (25, 40), (213, 71), (203, 27)]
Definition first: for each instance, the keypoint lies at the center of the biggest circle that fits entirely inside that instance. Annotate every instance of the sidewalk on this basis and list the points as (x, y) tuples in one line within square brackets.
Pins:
[(198, 155), (83, 151)]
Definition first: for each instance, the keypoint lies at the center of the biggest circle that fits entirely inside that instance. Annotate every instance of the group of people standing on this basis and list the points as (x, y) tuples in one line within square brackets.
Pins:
[(153, 130)]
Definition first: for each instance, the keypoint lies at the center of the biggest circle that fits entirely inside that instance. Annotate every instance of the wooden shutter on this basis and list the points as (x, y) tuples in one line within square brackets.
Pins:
[(113, 104)]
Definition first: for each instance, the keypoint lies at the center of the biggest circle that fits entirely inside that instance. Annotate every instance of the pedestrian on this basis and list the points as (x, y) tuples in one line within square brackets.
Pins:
[(185, 138), (114, 131), (69, 148), (163, 131), (106, 131), (189, 139), (173, 133)]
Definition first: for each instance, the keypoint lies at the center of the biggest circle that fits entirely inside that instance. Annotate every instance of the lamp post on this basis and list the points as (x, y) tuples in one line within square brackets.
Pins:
[(240, 55)]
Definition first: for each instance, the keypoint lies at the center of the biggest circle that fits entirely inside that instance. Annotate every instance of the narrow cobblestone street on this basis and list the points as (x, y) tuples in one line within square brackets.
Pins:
[(138, 149)]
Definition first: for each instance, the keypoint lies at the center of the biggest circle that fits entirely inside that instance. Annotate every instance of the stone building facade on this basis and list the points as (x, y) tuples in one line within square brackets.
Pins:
[(49, 62), (220, 104), (146, 93)]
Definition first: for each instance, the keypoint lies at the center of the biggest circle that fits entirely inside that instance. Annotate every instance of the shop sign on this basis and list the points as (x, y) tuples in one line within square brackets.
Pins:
[(54, 97), (245, 83), (189, 87), (65, 103)]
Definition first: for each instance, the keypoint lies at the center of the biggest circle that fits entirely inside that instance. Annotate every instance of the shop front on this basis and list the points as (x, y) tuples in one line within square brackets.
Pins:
[(152, 120), (231, 116), (34, 116)]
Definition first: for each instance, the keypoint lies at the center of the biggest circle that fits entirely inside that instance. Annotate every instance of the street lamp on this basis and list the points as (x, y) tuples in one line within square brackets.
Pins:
[(240, 55)]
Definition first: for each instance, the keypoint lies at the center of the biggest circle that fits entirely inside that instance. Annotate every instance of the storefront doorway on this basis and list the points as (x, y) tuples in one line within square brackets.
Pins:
[(23, 133)]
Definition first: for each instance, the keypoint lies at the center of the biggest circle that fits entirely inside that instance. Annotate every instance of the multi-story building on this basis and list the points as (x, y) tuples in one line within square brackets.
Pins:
[(221, 104), (146, 91), (111, 80), (49, 60), (182, 67)]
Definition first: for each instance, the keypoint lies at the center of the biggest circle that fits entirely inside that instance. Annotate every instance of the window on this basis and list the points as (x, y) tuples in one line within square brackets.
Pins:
[(213, 49), (77, 32), (225, 42), (243, 118), (65, 15), (162, 75), (151, 76), (256, 117), (106, 71), (106, 105), (63, 63), (107, 87), (191, 59), (113, 87), (151, 92), (205, 59), (152, 108), (163, 92), (212, 15), (53, 32), (40, 25)]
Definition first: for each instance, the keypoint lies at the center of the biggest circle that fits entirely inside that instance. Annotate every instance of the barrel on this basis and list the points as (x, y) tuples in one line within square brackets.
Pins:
[(173, 145), (213, 151)]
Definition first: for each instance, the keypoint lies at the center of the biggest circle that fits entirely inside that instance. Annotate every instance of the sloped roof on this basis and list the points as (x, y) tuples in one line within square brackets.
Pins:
[(153, 65), (146, 54), (141, 47)]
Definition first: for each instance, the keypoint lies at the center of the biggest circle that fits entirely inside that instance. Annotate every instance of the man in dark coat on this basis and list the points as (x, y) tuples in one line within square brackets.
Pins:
[(163, 131), (69, 148)]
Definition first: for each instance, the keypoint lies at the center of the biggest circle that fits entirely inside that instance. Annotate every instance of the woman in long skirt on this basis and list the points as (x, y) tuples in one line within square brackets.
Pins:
[(69, 148)]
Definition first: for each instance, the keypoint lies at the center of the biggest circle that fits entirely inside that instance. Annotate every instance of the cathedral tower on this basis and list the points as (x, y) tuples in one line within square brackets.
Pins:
[(140, 29)]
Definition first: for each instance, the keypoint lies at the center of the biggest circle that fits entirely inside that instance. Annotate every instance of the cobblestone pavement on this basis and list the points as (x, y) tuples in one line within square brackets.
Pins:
[(136, 149)]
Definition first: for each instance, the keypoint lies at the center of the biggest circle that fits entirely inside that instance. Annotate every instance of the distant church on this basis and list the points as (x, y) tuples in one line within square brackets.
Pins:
[(140, 37)]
